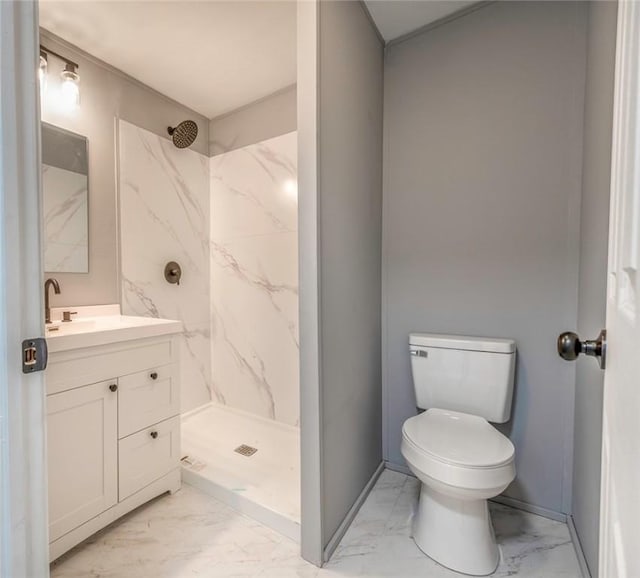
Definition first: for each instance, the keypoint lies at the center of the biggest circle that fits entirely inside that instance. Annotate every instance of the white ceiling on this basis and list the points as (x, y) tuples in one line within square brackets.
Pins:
[(210, 56), (396, 18)]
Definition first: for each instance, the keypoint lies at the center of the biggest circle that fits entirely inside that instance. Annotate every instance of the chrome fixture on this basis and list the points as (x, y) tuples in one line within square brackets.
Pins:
[(184, 134), (570, 347), (56, 289)]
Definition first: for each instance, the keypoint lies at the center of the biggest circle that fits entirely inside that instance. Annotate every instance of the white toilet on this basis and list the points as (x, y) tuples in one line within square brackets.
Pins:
[(461, 459)]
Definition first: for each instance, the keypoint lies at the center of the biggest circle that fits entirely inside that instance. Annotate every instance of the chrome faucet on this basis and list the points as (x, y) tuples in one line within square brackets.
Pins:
[(56, 289)]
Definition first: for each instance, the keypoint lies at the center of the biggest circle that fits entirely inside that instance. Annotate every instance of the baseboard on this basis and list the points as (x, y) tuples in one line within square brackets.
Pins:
[(351, 514), (538, 510), (575, 539), (398, 468)]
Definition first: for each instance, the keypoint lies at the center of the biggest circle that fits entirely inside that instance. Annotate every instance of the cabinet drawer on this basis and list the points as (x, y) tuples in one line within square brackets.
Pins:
[(147, 397), (148, 455)]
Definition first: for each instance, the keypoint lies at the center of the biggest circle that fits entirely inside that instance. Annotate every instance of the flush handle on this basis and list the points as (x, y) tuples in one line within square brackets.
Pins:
[(570, 347)]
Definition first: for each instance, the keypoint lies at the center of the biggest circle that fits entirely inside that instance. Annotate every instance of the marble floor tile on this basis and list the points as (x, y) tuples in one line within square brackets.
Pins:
[(190, 534)]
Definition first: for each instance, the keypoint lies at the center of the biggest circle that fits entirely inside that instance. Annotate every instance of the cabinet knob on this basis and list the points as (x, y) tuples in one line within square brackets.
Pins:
[(153, 375), (154, 434), (113, 387)]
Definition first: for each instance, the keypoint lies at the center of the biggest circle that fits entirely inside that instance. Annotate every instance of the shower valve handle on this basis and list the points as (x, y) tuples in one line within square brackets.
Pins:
[(172, 272)]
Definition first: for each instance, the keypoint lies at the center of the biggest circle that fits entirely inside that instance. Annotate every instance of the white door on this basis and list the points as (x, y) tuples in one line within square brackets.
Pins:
[(620, 494), (23, 508), (82, 440)]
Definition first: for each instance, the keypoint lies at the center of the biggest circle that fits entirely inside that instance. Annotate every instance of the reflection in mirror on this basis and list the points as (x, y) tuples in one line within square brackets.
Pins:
[(65, 184)]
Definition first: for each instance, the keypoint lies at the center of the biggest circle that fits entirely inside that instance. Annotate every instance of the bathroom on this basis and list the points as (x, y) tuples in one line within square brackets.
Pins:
[(362, 173)]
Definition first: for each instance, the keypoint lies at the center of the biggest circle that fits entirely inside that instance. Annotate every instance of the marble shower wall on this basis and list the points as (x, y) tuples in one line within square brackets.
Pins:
[(164, 216), (254, 279), (231, 223)]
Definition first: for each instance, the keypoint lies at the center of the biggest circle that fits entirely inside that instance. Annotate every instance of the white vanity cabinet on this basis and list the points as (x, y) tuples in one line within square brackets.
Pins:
[(113, 433)]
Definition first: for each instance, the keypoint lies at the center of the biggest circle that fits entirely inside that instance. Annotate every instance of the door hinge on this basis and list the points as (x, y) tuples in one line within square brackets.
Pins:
[(34, 355)]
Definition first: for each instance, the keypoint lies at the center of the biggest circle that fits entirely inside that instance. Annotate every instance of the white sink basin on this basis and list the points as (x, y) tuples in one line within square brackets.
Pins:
[(103, 328), (71, 327)]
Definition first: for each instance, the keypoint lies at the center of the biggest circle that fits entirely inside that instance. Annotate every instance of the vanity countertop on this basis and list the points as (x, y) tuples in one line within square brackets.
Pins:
[(101, 325)]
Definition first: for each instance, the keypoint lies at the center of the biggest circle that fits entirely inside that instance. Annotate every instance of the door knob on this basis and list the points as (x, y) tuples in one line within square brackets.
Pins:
[(570, 347)]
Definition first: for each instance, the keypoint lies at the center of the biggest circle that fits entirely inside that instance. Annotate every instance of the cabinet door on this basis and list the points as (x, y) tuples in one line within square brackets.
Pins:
[(82, 445)]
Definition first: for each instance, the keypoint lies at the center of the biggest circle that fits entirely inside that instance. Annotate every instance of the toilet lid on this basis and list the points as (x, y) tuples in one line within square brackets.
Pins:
[(459, 438)]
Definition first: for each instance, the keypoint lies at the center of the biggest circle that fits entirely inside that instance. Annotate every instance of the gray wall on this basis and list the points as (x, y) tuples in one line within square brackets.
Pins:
[(596, 173), (350, 236), (104, 95), (311, 536), (483, 147), (255, 122)]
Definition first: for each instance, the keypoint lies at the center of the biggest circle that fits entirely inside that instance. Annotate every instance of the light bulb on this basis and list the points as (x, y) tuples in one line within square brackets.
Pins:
[(70, 89), (42, 75)]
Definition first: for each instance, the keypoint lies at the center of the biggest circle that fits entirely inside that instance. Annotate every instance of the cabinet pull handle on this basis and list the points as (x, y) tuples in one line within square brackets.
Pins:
[(153, 375), (113, 387), (154, 434)]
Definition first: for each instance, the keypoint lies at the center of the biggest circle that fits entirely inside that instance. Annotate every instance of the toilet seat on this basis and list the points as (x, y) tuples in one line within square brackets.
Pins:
[(459, 439), (462, 454)]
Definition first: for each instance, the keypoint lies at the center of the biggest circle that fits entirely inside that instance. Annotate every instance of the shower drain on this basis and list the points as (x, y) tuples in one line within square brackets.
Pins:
[(245, 450)]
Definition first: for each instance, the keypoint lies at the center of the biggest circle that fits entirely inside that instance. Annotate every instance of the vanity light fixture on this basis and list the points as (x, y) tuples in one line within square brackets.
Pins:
[(42, 73), (69, 90)]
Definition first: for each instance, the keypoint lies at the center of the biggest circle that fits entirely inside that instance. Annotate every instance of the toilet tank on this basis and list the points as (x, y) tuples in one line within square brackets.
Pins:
[(468, 374)]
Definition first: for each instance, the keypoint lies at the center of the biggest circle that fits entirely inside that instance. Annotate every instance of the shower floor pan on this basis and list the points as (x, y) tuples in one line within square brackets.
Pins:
[(264, 484)]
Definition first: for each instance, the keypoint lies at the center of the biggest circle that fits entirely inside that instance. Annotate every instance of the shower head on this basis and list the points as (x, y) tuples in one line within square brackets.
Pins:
[(184, 134)]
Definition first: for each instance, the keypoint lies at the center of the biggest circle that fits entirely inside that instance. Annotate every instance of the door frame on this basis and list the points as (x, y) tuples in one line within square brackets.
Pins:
[(23, 484)]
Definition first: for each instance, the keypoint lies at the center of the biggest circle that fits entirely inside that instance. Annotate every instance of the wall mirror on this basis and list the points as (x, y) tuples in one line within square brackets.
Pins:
[(65, 192)]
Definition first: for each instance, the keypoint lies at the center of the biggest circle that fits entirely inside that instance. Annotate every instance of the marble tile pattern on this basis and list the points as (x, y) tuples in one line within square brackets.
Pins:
[(164, 216), (191, 534), (66, 233), (254, 279)]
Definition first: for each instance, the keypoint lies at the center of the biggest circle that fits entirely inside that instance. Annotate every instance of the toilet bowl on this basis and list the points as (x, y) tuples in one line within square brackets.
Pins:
[(462, 461), (463, 383)]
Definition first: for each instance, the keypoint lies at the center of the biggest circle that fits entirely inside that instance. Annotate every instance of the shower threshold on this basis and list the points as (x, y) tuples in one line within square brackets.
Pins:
[(263, 484)]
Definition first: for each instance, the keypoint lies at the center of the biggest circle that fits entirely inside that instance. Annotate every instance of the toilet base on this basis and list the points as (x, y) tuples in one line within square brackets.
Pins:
[(456, 533)]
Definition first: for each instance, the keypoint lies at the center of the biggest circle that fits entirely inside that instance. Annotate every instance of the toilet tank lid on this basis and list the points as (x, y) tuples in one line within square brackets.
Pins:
[(462, 342)]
